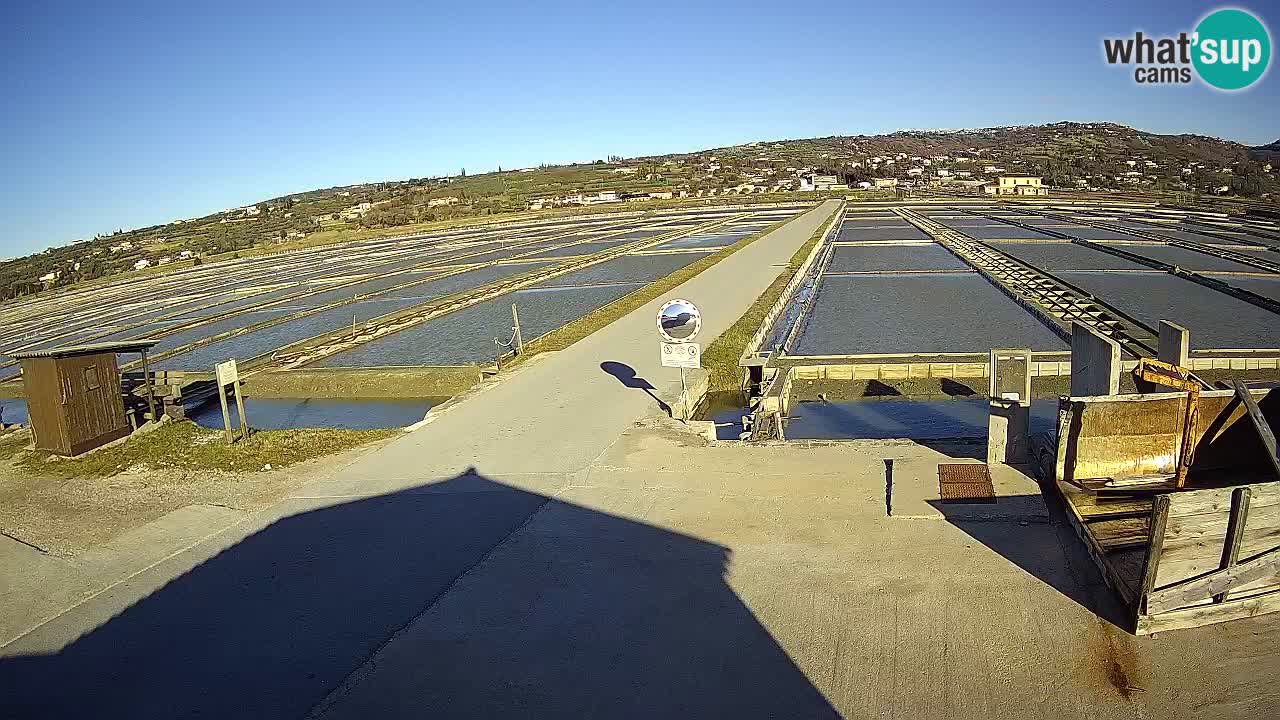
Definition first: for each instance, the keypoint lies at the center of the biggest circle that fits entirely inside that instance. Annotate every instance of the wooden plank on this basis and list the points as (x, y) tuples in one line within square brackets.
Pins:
[(1259, 424), (1151, 564), (1214, 583), (226, 416), (1181, 563), (1209, 614), (1218, 500), (1112, 534), (1235, 532), (1194, 541), (1191, 529), (1114, 579), (1126, 564), (1092, 507), (244, 424)]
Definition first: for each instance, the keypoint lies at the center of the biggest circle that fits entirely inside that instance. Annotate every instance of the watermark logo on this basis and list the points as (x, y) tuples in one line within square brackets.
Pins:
[(1229, 49)]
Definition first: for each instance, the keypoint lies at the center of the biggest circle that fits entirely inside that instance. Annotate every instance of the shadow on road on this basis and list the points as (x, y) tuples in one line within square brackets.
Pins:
[(1050, 551), (526, 607), (627, 376)]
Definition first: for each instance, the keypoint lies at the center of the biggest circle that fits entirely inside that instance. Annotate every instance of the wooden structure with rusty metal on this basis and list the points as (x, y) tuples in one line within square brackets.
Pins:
[(1208, 552), (74, 397), (1152, 372)]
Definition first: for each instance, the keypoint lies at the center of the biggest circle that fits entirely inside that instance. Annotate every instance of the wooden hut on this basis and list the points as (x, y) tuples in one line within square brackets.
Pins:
[(74, 400)]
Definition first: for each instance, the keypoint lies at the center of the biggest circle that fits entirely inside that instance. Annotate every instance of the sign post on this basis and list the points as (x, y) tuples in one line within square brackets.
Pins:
[(679, 322), (227, 374), (516, 335)]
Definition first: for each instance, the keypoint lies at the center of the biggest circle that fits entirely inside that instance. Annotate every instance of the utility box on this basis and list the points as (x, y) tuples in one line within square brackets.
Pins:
[(74, 401), (1009, 418)]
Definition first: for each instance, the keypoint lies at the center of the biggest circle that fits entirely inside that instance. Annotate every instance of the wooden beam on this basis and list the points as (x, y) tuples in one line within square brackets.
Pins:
[(1259, 424), (151, 393), (1208, 614), (1235, 532), (1155, 545), (1197, 588)]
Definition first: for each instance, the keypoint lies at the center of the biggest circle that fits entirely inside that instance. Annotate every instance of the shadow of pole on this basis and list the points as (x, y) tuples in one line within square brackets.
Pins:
[(627, 376)]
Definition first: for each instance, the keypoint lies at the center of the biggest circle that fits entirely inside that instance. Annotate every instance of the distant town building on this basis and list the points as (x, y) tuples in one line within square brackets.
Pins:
[(1016, 185), (810, 183), (142, 264), (882, 183), (604, 196)]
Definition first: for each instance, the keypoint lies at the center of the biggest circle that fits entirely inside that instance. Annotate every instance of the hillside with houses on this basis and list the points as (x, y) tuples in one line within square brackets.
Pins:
[(1061, 157)]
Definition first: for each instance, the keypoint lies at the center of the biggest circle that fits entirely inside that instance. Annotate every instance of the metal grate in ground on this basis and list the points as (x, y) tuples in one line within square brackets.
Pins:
[(965, 483)]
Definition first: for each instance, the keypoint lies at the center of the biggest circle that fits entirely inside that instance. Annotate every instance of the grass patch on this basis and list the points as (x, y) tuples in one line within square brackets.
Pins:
[(12, 444), (566, 335), (187, 446), (721, 357)]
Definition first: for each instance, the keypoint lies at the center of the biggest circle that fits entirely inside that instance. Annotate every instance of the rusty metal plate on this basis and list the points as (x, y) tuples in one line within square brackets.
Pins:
[(965, 482), (964, 473)]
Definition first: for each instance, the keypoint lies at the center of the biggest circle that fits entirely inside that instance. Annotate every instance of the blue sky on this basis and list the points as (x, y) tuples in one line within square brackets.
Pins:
[(119, 115)]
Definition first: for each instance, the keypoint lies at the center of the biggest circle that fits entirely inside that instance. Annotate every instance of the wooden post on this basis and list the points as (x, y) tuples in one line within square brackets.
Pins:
[(226, 415), (1235, 532), (1155, 546), (151, 394), (515, 321), (244, 424), (226, 374)]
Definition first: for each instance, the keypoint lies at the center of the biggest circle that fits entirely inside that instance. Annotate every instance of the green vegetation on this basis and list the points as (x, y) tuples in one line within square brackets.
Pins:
[(187, 446), (12, 444), (722, 356)]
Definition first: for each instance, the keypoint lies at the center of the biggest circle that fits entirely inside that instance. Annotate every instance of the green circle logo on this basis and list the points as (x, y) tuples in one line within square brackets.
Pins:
[(1232, 49)]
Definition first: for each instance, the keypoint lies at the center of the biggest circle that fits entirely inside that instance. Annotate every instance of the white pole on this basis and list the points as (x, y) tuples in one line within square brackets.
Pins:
[(684, 397)]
